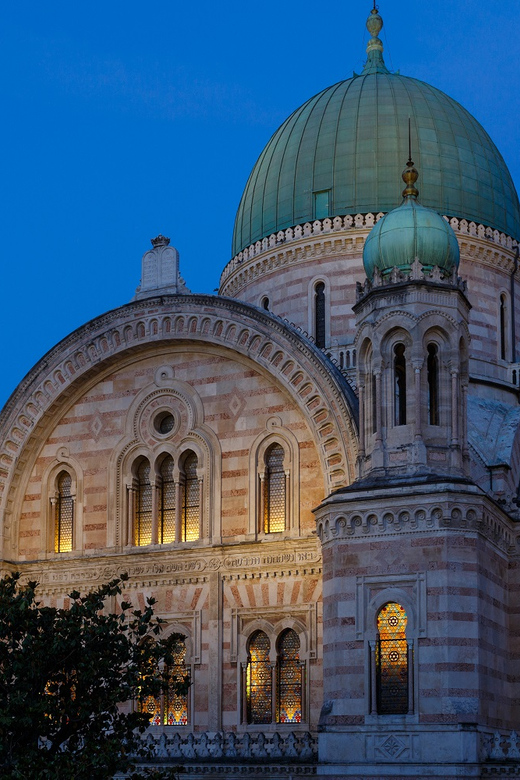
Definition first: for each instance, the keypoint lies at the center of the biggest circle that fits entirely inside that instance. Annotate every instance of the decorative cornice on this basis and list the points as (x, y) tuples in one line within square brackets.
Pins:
[(167, 565), (440, 508), (347, 234), (318, 387)]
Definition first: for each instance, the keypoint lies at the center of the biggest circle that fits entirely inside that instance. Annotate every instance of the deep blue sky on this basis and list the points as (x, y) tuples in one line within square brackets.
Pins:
[(122, 120)]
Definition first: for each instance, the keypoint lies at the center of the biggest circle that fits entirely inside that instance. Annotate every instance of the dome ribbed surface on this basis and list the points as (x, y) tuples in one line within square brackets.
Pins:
[(350, 141), (408, 232)]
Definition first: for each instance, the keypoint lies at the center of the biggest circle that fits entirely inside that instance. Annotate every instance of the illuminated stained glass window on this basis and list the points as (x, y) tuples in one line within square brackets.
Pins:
[(191, 500), (274, 490), (289, 679), (64, 518), (167, 503), (258, 680), (171, 709), (392, 661), (176, 704), (143, 506)]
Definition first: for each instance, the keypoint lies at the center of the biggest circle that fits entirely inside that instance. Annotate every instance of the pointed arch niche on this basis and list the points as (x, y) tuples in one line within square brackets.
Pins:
[(165, 428), (274, 469)]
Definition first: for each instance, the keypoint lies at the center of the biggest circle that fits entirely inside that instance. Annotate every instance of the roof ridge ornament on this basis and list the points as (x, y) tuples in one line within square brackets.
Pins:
[(375, 62), (410, 173)]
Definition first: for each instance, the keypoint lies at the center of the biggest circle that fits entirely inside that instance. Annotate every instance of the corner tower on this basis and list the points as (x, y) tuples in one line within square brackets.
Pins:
[(413, 551)]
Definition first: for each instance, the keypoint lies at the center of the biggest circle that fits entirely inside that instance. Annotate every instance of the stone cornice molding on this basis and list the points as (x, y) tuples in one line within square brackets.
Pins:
[(314, 383), (313, 240), (436, 511)]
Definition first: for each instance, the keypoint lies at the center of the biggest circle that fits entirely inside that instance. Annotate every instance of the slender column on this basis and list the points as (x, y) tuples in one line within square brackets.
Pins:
[(260, 522), (287, 502), (454, 407), (410, 676), (464, 428), (131, 514), (155, 513), (201, 509), (373, 678), (417, 394), (273, 693), (361, 396), (178, 512), (243, 691), (55, 530), (379, 409)]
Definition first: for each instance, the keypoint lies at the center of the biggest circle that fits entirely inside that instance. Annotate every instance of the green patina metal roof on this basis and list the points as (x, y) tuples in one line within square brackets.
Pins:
[(350, 141), (408, 232)]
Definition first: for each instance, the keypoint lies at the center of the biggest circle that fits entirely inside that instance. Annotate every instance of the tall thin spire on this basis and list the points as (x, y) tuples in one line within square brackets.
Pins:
[(375, 62)]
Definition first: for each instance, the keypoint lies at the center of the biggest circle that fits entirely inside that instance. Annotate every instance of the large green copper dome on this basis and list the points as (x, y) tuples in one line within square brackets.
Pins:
[(340, 153)]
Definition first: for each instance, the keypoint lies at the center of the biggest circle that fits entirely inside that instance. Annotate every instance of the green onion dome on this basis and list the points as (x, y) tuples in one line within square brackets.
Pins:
[(339, 153), (408, 232)]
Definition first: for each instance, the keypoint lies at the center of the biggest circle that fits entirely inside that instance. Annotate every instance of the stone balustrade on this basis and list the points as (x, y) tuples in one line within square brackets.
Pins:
[(502, 747), (256, 747)]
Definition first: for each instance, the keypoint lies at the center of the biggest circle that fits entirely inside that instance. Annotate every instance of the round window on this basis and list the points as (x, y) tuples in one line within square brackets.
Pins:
[(164, 423)]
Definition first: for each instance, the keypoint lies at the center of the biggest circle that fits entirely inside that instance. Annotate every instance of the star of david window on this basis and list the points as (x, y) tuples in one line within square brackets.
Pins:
[(392, 660)]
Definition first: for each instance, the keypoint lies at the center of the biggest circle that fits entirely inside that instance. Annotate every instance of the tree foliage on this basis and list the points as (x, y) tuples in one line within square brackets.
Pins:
[(64, 674)]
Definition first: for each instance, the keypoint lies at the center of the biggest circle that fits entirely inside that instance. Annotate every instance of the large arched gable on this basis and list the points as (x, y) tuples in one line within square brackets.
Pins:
[(276, 347)]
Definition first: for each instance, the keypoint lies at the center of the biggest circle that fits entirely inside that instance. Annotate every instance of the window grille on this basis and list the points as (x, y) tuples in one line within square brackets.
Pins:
[(392, 661), (399, 385), (143, 506), (258, 680), (319, 312), (167, 503), (289, 679), (274, 490), (176, 704), (64, 519), (191, 500)]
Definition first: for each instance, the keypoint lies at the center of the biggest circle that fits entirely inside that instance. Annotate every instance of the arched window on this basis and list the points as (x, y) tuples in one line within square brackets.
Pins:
[(399, 385), (265, 303), (190, 500), (64, 514), (143, 506), (167, 502), (503, 326), (274, 499), (392, 660), (288, 679), (170, 709), (319, 315), (433, 384), (258, 680)]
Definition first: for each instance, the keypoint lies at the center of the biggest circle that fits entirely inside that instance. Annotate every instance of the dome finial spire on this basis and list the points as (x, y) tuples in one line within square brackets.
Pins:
[(410, 173), (375, 62)]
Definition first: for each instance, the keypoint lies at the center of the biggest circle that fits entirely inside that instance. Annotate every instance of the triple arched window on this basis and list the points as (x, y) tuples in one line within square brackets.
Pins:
[(274, 691), (164, 502)]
